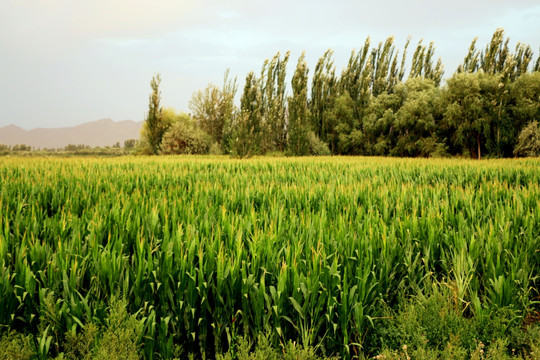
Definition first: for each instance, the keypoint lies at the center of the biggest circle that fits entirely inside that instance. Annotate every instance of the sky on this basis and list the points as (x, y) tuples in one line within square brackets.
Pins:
[(66, 62)]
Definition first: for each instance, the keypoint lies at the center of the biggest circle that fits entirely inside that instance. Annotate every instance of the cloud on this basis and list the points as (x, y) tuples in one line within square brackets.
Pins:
[(85, 59)]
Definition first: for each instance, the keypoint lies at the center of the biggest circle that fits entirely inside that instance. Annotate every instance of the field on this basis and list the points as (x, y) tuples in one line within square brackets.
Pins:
[(190, 255)]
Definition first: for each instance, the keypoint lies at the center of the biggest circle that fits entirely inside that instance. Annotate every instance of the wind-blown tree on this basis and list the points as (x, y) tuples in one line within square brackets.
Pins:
[(323, 92), (422, 64), (248, 131), (356, 80), (155, 127), (497, 58), (299, 116), (274, 102), (386, 67)]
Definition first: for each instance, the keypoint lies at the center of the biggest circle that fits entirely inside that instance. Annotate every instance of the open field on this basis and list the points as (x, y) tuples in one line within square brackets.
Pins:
[(321, 251)]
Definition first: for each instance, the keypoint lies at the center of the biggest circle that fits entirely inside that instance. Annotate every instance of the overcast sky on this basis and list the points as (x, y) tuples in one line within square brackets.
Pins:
[(66, 62)]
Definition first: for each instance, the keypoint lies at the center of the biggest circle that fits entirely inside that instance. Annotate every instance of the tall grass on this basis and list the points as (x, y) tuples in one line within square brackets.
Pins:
[(209, 249)]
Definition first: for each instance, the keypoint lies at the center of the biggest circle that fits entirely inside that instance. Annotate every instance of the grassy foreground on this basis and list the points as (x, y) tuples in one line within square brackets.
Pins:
[(353, 257)]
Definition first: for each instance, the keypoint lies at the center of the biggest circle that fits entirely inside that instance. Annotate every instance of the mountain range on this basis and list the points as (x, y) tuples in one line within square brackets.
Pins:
[(95, 133)]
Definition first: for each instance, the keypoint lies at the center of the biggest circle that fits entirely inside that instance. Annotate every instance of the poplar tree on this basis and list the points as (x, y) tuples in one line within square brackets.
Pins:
[(155, 127), (273, 101), (299, 126), (323, 93), (422, 64), (356, 79), (248, 130)]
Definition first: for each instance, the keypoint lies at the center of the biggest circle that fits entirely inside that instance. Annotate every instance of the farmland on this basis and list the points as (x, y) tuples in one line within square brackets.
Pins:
[(324, 252)]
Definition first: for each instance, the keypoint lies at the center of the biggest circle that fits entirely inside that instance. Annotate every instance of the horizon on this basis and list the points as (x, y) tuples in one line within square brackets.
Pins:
[(65, 64)]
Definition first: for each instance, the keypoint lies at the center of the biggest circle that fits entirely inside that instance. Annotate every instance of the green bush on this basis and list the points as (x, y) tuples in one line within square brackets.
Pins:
[(317, 146), (119, 341), (185, 138), (15, 346), (529, 140)]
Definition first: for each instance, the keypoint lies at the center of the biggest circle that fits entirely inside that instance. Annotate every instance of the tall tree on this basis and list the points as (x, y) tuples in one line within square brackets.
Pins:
[(248, 131), (422, 64), (356, 79), (155, 127), (386, 70), (273, 101), (323, 93), (299, 125)]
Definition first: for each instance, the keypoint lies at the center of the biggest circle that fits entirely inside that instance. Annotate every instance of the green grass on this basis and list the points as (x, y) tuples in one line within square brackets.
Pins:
[(322, 252)]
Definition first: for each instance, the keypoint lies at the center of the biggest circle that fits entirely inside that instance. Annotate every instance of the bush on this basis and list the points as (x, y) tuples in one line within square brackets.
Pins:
[(317, 146), (185, 138), (529, 140), (15, 346)]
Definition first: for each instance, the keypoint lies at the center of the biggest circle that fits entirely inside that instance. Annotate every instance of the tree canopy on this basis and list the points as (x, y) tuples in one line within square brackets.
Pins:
[(380, 104)]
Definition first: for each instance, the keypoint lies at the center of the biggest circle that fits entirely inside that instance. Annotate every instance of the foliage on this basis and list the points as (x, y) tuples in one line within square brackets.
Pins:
[(529, 140), (81, 345), (273, 101), (155, 125), (183, 137), (15, 346), (263, 350), (213, 108), (299, 116), (316, 145), (472, 109), (248, 134), (119, 341)]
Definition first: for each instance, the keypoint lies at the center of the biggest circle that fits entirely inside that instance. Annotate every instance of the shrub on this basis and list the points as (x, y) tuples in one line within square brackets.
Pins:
[(317, 146), (15, 346), (529, 140), (185, 138)]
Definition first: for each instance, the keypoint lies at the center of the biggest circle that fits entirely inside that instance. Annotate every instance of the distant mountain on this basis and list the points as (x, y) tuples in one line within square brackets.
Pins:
[(95, 133)]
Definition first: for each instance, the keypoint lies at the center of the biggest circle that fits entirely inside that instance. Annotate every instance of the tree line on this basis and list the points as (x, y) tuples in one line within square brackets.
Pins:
[(380, 105)]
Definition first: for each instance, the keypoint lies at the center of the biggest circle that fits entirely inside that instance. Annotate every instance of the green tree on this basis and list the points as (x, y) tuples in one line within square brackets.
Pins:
[(422, 64), (417, 119), (323, 93), (346, 138), (386, 67), (212, 108), (472, 109), (356, 79), (524, 102), (299, 116), (248, 132), (155, 127), (273, 102), (379, 123)]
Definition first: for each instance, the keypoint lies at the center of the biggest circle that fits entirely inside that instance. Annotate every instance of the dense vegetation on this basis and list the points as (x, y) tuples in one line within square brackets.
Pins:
[(164, 257), (381, 104)]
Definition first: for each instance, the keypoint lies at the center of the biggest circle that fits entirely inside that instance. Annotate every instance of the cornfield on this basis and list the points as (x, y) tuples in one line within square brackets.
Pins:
[(207, 249)]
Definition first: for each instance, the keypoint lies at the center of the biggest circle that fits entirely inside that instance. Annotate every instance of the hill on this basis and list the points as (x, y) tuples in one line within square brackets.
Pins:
[(95, 133)]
